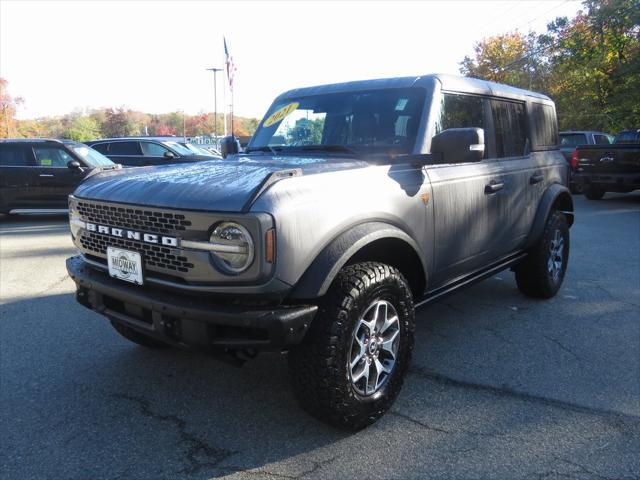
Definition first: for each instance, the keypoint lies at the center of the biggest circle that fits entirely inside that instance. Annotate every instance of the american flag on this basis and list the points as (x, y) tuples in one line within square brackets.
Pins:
[(231, 68)]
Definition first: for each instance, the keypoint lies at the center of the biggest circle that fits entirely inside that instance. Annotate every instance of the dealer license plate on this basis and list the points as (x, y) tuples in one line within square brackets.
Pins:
[(125, 265)]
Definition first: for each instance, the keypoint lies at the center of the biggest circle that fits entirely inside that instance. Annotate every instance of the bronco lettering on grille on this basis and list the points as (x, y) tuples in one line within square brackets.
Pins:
[(132, 235)]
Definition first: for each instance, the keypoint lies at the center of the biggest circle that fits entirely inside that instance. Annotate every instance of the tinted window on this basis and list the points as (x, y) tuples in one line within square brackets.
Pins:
[(601, 139), (627, 137), (574, 139), (544, 126), (125, 148), (15, 155), (509, 124), (101, 147), (51, 156), (152, 149), (460, 111)]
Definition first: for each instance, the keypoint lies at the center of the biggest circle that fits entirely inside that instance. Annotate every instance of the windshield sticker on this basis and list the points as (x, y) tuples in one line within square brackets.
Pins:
[(402, 102), (280, 114), (46, 162)]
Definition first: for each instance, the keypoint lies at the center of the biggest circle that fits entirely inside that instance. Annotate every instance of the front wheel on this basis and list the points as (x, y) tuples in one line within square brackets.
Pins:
[(542, 272), (350, 367)]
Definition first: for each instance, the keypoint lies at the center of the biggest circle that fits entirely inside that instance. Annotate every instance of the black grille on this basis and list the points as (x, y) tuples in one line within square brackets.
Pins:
[(153, 255), (133, 218)]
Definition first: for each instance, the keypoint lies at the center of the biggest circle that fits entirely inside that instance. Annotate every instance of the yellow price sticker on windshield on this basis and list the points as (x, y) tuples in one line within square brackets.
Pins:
[(280, 114), (46, 162)]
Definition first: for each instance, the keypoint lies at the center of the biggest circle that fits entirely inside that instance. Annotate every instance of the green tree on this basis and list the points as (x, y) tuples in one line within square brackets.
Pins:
[(82, 128)]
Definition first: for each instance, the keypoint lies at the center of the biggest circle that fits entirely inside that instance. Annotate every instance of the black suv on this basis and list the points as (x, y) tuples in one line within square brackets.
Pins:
[(37, 175), (142, 151)]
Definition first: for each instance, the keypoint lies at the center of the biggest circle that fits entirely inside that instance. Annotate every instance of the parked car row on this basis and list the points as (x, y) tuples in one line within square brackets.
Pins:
[(37, 175)]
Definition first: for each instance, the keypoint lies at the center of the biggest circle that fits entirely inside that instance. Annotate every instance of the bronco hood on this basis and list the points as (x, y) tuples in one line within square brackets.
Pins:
[(220, 185)]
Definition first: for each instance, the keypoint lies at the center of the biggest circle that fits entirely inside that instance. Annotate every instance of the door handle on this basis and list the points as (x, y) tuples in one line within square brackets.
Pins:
[(537, 178), (45, 175), (493, 187)]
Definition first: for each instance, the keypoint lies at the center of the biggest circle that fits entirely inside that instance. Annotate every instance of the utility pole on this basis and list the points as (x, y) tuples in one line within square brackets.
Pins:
[(215, 99)]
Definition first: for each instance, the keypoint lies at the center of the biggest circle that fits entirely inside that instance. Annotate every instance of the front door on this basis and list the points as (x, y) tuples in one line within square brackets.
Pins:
[(52, 180), (468, 198)]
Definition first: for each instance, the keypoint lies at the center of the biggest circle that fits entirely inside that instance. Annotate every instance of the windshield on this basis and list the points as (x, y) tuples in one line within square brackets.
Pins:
[(197, 150), (376, 121), (90, 156), (179, 148)]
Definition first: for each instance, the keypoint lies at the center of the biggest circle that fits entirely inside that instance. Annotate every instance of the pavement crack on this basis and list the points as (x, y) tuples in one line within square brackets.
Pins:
[(199, 454), (505, 391), (562, 347), (315, 467), (53, 285), (419, 423)]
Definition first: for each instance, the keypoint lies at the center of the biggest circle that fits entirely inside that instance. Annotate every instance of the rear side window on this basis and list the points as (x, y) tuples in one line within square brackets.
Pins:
[(544, 126), (51, 157), (627, 137), (150, 149), (15, 155), (125, 148), (574, 139), (103, 148), (602, 139), (510, 127)]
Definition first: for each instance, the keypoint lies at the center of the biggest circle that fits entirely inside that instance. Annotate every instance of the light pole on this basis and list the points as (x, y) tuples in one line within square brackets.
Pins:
[(215, 99)]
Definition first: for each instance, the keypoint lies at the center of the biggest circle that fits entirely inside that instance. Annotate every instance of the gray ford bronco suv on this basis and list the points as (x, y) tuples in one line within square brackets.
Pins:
[(353, 205)]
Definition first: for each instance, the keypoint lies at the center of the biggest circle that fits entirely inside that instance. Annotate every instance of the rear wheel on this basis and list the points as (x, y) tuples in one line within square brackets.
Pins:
[(351, 365), (136, 337), (593, 193), (541, 274)]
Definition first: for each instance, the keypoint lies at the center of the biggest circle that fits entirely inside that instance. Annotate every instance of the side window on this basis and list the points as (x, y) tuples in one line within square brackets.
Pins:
[(51, 157), (125, 148), (509, 123), (15, 155), (544, 126), (460, 111), (150, 149), (601, 139), (103, 148)]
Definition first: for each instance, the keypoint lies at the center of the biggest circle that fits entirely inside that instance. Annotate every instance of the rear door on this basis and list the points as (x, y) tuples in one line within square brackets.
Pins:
[(521, 177), (467, 196), (53, 179), (16, 165), (126, 152)]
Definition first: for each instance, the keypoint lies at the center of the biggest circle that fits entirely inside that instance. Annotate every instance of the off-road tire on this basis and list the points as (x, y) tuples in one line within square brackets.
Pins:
[(593, 193), (319, 369), (532, 275), (136, 337)]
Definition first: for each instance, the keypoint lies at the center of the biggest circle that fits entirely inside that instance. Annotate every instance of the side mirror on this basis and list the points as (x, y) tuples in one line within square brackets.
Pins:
[(169, 154), (74, 165), (459, 145), (229, 146)]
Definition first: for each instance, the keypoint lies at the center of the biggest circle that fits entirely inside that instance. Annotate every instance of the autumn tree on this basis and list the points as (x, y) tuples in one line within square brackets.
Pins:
[(119, 123), (8, 108), (508, 58)]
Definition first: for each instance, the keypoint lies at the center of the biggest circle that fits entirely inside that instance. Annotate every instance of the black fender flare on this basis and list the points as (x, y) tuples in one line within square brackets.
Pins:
[(318, 277), (555, 194)]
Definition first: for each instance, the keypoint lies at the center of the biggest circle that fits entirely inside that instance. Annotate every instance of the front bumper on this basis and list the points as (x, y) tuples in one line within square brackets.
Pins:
[(185, 321), (623, 181)]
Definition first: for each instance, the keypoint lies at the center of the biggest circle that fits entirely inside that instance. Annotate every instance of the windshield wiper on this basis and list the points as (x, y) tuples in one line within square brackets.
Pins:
[(329, 148), (265, 148)]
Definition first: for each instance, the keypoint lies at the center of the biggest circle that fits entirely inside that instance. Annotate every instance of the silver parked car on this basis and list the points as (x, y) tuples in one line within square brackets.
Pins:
[(353, 205)]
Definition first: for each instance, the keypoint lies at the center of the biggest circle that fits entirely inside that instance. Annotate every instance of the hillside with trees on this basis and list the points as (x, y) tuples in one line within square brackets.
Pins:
[(590, 65), (112, 122)]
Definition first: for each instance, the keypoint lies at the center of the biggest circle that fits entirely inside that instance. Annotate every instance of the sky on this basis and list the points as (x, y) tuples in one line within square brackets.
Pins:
[(61, 56)]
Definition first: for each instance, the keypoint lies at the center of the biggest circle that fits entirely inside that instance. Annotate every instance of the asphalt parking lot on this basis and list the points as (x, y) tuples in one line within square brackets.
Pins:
[(501, 386)]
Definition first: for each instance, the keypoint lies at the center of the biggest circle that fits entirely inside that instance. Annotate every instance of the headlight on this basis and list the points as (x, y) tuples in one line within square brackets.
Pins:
[(75, 223), (234, 250)]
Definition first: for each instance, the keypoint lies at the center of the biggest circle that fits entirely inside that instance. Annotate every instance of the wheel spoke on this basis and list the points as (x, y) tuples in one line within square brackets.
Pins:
[(374, 378), (387, 344), (364, 372), (360, 353), (382, 312)]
